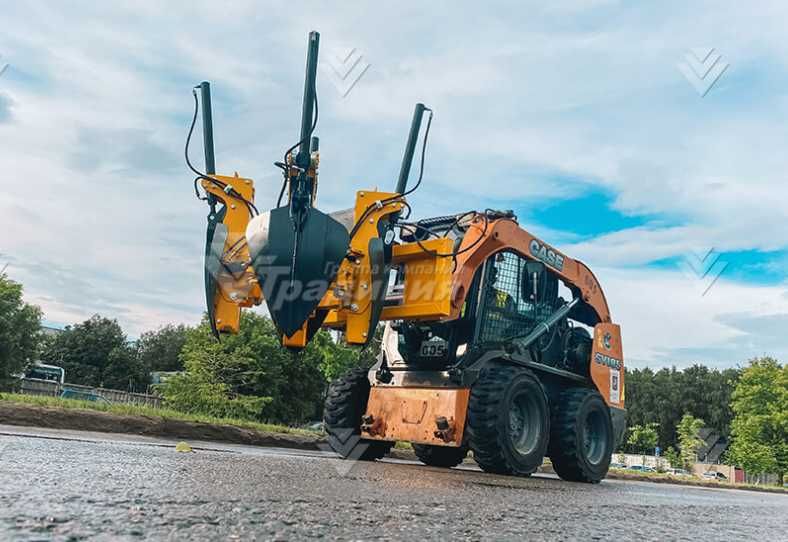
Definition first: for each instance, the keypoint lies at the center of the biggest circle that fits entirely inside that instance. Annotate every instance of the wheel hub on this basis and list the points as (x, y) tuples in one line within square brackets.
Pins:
[(594, 437), (525, 423)]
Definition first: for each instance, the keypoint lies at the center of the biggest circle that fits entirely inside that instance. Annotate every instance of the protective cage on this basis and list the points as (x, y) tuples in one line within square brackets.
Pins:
[(518, 294)]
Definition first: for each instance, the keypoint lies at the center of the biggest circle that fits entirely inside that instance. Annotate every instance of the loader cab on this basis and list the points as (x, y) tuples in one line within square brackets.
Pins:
[(517, 294), (437, 345), (509, 297)]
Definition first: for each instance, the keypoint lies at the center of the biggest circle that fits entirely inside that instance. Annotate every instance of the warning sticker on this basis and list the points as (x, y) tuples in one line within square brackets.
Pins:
[(615, 386)]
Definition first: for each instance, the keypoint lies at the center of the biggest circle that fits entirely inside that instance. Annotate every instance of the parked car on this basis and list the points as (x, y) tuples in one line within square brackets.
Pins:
[(316, 426), (618, 465), (80, 395), (679, 472), (642, 468), (714, 475)]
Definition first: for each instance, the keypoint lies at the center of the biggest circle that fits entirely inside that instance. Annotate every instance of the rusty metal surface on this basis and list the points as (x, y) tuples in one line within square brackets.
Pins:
[(411, 414)]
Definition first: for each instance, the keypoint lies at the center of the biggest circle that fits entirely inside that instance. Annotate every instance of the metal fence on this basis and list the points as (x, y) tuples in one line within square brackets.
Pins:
[(54, 389)]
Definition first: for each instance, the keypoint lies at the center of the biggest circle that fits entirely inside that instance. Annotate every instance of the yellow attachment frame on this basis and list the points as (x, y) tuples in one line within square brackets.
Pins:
[(237, 284), (427, 271)]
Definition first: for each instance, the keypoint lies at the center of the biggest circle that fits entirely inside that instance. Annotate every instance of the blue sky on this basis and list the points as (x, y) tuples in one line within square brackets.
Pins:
[(574, 114)]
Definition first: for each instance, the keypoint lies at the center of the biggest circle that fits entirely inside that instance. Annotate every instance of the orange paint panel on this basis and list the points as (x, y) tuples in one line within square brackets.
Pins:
[(607, 363), (409, 414)]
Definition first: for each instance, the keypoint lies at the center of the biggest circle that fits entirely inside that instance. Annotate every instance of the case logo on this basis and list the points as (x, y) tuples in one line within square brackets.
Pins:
[(546, 254)]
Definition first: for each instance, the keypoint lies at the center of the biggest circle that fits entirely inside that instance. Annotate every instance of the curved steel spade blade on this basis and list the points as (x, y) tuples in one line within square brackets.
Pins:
[(294, 268), (216, 235)]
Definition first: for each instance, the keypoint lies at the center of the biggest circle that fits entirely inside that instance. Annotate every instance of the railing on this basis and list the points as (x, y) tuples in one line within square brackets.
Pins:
[(54, 389)]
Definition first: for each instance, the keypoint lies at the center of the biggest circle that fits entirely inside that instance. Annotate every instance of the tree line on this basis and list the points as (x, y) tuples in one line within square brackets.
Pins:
[(663, 397), (250, 376), (747, 405), (245, 376)]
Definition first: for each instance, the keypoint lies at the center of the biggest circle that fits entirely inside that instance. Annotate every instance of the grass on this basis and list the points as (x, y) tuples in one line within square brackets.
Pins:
[(692, 480), (125, 409)]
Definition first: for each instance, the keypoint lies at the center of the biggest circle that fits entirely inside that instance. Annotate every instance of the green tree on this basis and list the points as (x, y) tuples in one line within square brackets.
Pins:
[(253, 364), (760, 425), (690, 442), (20, 336), (338, 357), (673, 457), (197, 393), (124, 371), (666, 395), (643, 439), (96, 353), (160, 350)]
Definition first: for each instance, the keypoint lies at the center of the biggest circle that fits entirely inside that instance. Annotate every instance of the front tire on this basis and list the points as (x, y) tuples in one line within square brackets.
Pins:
[(345, 404), (508, 420), (581, 443), (440, 456)]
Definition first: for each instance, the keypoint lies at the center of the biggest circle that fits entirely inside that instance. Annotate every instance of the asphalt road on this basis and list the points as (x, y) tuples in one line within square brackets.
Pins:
[(73, 485)]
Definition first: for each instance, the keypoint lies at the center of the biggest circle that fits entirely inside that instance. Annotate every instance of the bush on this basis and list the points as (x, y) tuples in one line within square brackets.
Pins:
[(191, 393)]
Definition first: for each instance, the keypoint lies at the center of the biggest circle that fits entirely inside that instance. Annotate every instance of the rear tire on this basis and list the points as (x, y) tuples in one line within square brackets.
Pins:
[(440, 456), (508, 420), (581, 443), (345, 404)]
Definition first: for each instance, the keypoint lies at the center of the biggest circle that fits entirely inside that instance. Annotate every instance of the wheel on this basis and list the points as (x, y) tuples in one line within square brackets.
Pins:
[(581, 443), (345, 404), (440, 456), (508, 420)]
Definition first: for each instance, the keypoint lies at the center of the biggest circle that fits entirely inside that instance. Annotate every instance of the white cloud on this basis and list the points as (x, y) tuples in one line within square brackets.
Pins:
[(665, 320), (526, 96)]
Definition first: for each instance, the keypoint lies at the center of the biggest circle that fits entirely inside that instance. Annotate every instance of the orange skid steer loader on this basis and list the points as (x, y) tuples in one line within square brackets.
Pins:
[(494, 341)]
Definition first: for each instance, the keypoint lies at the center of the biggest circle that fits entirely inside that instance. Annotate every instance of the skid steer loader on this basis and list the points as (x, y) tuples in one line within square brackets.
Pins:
[(494, 341)]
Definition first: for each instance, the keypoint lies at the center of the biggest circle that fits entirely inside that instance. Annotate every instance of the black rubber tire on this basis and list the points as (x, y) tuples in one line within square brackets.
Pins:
[(345, 404), (440, 456), (494, 400), (581, 443)]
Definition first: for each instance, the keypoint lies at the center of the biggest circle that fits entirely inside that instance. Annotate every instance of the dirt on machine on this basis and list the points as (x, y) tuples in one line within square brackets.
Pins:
[(494, 341)]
